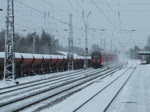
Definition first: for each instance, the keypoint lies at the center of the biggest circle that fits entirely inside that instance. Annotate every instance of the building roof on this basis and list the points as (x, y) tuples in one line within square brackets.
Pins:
[(144, 52)]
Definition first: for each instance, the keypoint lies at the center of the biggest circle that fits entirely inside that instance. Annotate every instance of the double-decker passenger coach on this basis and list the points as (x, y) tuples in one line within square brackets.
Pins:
[(101, 58)]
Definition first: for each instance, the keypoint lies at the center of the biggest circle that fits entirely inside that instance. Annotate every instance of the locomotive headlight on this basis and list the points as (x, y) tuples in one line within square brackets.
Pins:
[(97, 60)]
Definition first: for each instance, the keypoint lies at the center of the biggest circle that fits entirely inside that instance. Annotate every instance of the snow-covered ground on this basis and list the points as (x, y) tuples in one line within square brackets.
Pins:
[(135, 97), (79, 98), (33, 78)]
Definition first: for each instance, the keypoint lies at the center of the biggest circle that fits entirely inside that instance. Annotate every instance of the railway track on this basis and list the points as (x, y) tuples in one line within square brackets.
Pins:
[(59, 85), (8, 93), (50, 79), (84, 106), (41, 81), (54, 76)]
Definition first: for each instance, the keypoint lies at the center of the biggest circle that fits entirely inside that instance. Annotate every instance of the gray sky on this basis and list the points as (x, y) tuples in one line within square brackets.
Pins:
[(48, 15)]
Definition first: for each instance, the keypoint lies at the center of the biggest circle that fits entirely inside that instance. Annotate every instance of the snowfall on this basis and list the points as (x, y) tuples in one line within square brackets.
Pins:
[(134, 97)]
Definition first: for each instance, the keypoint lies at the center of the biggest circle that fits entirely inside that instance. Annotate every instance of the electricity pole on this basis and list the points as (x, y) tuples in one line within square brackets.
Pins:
[(9, 61), (1, 9), (70, 44), (119, 17), (105, 44), (34, 44), (111, 43), (101, 40), (86, 38), (86, 47)]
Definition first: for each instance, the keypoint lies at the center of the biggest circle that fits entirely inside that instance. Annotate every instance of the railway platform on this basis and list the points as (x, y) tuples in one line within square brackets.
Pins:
[(135, 95)]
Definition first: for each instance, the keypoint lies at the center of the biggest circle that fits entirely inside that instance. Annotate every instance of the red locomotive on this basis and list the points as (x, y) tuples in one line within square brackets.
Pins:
[(31, 64), (100, 58)]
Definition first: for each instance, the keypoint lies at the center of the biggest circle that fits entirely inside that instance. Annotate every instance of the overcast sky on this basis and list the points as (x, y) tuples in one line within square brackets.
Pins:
[(35, 15)]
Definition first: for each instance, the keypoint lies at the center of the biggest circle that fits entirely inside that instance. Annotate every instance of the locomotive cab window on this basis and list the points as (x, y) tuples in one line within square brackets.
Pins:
[(96, 56)]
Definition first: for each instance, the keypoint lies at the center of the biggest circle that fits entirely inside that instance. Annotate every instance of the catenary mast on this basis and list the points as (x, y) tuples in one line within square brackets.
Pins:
[(70, 42), (9, 62)]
